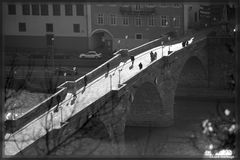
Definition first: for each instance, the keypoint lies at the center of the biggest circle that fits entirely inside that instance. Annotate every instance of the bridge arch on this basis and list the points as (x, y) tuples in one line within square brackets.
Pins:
[(191, 79), (193, 74), (146, 106), (101, 40)]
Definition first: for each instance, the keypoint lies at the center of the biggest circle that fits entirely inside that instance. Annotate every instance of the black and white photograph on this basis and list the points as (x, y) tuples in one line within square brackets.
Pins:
[(120, 79)]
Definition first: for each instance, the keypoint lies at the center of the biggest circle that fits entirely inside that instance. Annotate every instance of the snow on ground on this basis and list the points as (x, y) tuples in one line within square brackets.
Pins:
[(22, 101)]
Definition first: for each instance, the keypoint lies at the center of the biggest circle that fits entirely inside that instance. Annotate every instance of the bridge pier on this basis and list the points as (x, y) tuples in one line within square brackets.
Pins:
[(113, 115)]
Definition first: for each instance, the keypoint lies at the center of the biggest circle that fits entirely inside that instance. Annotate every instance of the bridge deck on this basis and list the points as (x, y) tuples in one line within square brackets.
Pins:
[(19, 140)]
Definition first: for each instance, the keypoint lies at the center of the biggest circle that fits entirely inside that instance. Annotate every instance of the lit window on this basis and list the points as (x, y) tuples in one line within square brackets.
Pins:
[(11, 9), (80, 10), (22, 27), (49, 27), (44, 9), (68, 10), (125, 20), (100, 19), (138, 36), (35, 9), (164, 21), (26, 9), (138, 21), (76, 28), (56, 9), (113, 19)]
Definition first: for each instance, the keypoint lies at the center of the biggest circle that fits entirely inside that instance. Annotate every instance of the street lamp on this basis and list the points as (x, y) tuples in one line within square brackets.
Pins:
[(119, 77), (119, 81), (169, 38), (52, 39), (61, 123), (110, 82), (126, 37), (162, 48)]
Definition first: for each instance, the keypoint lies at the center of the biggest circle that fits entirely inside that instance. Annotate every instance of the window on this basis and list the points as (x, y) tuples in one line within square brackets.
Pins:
[(49, 27), (26, 9), (113, 19), (125, 20), (138, 7), (76, 28), (22, 27), (176, 21), (151, 21), (44, 9), (56, 9), (35, 9), (80, 10), (100, 19), (176, 5), (138, 36), (138, 21), (164, 21), (11, 9), (68, 10)]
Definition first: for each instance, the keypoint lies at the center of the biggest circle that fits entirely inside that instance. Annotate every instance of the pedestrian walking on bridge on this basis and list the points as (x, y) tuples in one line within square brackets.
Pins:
[(108, 67), (151, 56), (155, 55), (85, 80), (132, 59), (140, 65)]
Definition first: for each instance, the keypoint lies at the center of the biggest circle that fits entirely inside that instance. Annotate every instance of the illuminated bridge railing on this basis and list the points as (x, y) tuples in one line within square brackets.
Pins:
[(68, 86)]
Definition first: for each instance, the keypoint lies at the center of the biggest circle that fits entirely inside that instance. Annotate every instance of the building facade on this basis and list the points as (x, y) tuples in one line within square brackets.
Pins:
[(42, 25), (128, 25), (79, 27)]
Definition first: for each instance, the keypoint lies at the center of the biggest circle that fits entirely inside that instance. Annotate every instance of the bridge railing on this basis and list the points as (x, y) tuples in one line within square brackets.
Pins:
[(13, 125), (114, 62), (36, 111)]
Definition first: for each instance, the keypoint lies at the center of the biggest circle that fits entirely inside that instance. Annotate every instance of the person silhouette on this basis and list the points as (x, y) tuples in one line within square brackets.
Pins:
[(140, 65)]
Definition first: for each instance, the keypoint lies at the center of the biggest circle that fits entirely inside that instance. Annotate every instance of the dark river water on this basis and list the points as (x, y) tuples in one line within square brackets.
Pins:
[(171, 141)]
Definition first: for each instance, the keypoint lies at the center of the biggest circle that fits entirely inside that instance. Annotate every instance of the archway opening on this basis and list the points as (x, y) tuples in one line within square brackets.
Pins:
[(191, 100), (101, 41), (146, 107), (193, 74)]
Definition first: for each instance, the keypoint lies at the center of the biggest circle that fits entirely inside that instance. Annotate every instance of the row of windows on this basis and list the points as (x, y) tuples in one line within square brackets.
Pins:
[(43, 9), (140, 6), (49, 27), (151, 21)]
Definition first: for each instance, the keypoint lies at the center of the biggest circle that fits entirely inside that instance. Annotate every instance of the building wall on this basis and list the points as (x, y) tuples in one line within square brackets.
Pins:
[(120, 31), (35, 35)]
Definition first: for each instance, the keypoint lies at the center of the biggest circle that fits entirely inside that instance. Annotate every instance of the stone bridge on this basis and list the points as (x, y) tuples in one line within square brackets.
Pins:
[(126, 95)]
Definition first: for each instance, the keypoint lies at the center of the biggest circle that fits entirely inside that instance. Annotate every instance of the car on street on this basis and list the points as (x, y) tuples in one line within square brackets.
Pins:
[(90, 54)]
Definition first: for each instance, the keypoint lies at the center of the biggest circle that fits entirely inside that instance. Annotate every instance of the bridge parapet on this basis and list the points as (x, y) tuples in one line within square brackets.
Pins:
[(36, 111)]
